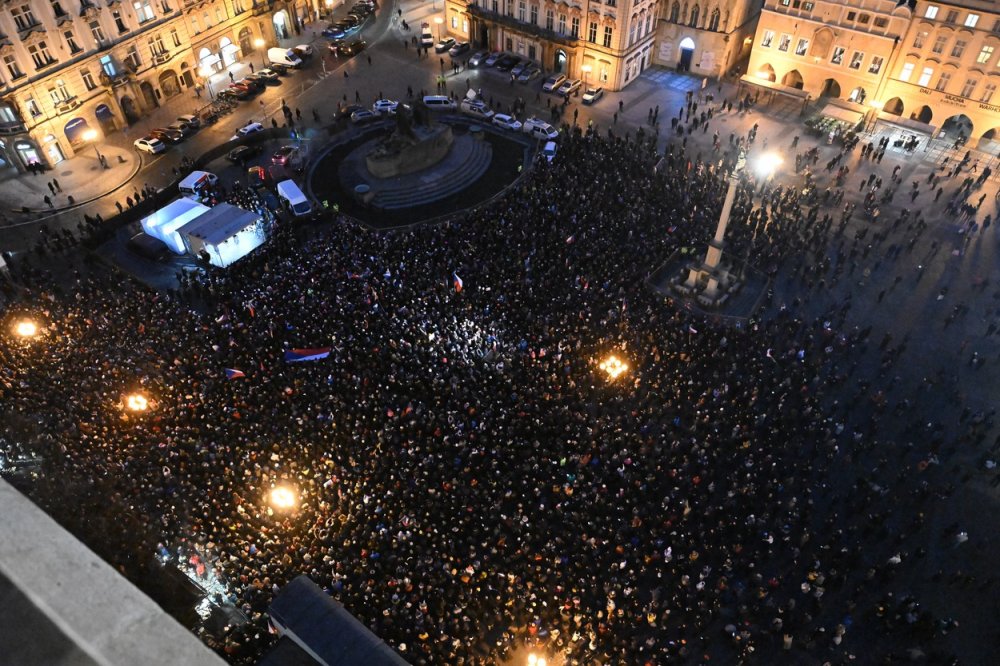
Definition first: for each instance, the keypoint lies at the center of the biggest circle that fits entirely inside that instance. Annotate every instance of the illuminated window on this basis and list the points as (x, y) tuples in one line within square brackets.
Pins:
[(925, 76), (931, 12), (906, 72), (971, 20), (984, 55)]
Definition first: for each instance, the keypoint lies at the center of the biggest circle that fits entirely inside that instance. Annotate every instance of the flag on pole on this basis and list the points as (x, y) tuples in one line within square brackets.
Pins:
[(233, 373), (299, 355), (458, 282)]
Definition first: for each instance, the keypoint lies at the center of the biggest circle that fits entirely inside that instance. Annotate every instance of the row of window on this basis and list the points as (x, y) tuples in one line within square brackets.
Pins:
[(636, 31), (24, 16), (526, 14), (692, 17), (41, 57), (862, 18), (957, 49), (944, 78), (59, 92), (951, 18), (802, 48)]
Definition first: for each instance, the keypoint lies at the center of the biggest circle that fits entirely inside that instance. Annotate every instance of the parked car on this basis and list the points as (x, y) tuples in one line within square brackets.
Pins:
[(237, 91), (458, 49), (539, 129), (507, 63), (257, 176), (507, 122), (247, 130), (444, 45), (251, 83), (243, 154), (478, 58), (363, 116), (261, 80), (228, 95), (549, 151), (333, 31), (592, 95), (192, 121), (287, 156), (476, 109), (304, 50), (569, 87), (182, 127), (150, 144), (166, 135), (384, 107), (491, 59), (344, 112), (520, 67), (279, 68), (529, 74), (553, 82)]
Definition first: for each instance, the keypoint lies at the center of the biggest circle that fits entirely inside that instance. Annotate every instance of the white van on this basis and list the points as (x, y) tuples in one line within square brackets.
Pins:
[(292, 196), (195, 182), (286, 57), (426, 36), (439, 103)]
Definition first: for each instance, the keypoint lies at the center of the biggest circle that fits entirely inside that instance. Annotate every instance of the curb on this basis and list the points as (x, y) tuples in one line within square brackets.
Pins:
[(55, 211)]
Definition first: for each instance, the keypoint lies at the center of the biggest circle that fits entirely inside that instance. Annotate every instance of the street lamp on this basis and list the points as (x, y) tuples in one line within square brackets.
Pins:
[(206, 73), (438, 20), (876, 109), (535, 660), (613, 367), (136, 402), (90, 136), (586, 69), (259, 44), (283, 498), (26, 329)]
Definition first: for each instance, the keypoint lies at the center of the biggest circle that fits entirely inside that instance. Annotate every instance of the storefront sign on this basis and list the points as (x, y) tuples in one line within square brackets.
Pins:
[(957, 101), (989, 107)]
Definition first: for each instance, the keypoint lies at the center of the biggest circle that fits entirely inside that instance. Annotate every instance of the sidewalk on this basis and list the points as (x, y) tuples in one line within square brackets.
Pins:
[(81, 177)]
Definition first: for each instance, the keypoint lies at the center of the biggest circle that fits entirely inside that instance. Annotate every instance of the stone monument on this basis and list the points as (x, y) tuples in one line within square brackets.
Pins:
[(416, 144)]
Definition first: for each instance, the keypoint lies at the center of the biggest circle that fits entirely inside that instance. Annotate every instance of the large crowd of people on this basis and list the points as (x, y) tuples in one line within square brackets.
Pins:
[(469, 480)]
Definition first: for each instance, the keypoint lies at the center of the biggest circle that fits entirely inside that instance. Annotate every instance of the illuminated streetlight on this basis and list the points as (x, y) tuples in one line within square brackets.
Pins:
[(614, 367), (26, 328), (876, 109), (767, 164), (535, 660), (90, 136), (283, 498), (137, 402), (260, 44), (206, 73), (586, 69), (438, 20)]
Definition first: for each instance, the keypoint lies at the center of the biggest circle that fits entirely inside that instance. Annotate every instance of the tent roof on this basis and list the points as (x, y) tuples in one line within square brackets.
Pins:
[(220, 223), (181, 211), (323, 627)]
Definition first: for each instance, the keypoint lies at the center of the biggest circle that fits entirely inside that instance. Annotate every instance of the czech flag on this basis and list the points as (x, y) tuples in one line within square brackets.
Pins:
[(299, 355), (232, 373), (458, 282)]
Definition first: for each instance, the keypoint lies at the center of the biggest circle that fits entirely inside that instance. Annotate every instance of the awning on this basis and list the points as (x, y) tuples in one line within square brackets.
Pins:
[(229, 48), (907, 123), (210, 60), (840, 113), (775, 87)]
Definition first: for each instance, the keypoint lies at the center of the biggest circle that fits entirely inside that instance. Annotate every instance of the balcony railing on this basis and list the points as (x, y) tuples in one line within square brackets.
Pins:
[(522, 26), (68, 104), (12, 127)]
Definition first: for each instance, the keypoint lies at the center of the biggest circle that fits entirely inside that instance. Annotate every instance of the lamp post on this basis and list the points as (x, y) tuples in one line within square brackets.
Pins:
[(206, 73), (586, 69), (259, 44), (876, 109), (438, 20), (709, 268), (90, 136)]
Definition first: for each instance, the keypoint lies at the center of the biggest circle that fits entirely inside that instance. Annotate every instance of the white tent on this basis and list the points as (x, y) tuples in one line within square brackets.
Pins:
[(165, 223), (226, 233)]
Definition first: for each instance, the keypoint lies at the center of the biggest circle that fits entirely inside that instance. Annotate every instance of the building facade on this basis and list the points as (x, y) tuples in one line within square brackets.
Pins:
[(601, 42), (829, 48), (73, 71), (706, 38), (948, 70)]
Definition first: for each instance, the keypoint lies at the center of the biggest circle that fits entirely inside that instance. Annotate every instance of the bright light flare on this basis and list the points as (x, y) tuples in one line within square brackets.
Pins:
[(283, 498), (767, 163), (137, 402), (614, 367), (26, 328), (535, 660)]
